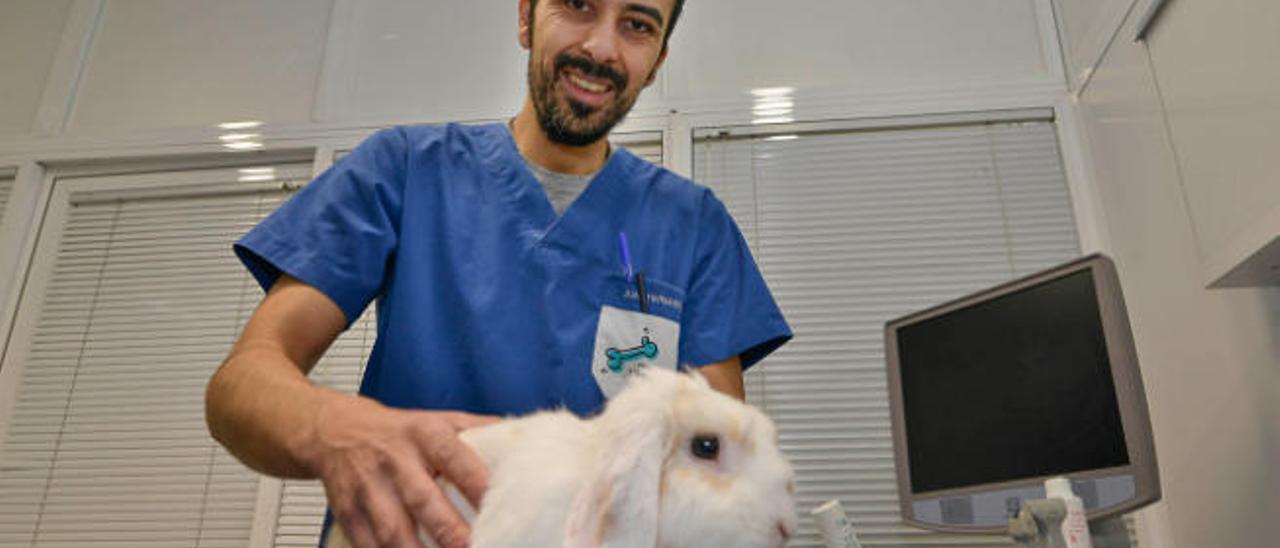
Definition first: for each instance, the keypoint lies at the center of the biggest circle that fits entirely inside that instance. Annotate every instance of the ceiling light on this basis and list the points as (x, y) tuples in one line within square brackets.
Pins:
[(770, 112), (775, 102), (246, 124), (773, 92), (238, 136), (774, 120)]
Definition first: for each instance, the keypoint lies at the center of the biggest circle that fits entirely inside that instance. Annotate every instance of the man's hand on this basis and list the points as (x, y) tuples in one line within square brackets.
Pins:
[(379, 467), (378, 464)]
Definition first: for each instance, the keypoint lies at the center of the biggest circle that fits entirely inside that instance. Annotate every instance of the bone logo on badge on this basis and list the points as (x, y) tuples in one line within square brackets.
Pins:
[(619, 358)]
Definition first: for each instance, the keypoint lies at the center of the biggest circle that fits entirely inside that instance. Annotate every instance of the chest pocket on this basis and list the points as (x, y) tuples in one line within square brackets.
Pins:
[(628, 340)]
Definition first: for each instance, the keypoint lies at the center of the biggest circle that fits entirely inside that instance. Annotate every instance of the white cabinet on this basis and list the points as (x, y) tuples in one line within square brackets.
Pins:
[(1219, 78), (1208, 356)]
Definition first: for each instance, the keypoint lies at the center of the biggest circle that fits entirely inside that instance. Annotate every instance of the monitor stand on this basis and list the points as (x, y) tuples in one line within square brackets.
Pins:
[(1039, 525)]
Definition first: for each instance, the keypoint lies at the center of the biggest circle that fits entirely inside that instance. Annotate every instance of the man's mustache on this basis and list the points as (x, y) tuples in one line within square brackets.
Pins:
[(588, 68)]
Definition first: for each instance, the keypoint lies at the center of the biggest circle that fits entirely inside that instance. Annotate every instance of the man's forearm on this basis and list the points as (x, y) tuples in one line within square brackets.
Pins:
[(262, 412), (726, 377)]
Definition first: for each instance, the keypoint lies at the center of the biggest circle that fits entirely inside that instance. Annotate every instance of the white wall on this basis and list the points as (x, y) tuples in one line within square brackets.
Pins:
[(158, 64), (154, 65), (432, 60), (1087, 28), (30, 31), (1210, 357), (733, 46)]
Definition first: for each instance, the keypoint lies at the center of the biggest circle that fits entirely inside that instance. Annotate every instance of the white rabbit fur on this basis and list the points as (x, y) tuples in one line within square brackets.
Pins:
[(629, 478)]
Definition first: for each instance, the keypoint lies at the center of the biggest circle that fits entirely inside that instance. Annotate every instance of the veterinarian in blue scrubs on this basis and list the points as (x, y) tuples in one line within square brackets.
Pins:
[(490, 302), (515, 266)]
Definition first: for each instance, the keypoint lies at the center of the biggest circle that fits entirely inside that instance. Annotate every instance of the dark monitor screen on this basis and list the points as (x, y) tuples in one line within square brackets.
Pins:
[(985, 387)]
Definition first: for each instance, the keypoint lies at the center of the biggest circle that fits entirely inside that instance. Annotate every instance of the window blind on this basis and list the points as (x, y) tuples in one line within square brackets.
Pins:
[(300, 514), (6, 188), (649, 150), (854, 228), (133, 300)]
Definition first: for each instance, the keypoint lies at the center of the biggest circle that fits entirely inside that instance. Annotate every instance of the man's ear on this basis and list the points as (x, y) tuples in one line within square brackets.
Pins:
[(653, 74), (526, 24)]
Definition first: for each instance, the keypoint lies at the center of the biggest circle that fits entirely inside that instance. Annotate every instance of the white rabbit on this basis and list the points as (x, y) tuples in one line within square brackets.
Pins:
[(669, 463)]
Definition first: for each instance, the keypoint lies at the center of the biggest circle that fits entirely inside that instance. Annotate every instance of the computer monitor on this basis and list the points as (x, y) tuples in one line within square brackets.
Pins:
[(995, 392)]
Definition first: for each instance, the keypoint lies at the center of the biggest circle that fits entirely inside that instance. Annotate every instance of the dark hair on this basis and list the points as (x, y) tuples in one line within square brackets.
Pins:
[(675, 16)]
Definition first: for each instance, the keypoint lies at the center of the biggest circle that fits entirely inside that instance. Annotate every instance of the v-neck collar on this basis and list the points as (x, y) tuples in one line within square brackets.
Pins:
[(600, 206)]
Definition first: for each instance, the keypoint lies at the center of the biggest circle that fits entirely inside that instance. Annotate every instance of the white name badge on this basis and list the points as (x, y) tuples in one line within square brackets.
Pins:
[(627, 342)]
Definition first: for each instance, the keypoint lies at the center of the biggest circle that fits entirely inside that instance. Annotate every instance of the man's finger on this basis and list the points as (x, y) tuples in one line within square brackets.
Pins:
[(443, 524), (429, 506), (456, 461), (467, 421), (351, 526), (389, 522)]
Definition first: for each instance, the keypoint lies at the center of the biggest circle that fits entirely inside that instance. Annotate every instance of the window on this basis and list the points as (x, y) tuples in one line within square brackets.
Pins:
[(649, 149), (133, 300), (300, 513), (855, 226), (6, 189)]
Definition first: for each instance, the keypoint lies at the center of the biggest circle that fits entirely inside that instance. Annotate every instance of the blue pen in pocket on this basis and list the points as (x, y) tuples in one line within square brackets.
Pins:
[(638, 277)]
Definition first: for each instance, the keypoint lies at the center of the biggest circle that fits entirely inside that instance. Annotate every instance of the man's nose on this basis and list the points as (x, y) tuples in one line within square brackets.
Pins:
[(602, 42)]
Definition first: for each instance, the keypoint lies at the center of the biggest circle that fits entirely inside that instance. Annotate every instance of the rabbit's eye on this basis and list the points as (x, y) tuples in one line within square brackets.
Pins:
[(705, 447)]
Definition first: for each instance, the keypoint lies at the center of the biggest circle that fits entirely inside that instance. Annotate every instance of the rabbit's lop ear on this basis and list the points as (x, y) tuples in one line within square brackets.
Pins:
[(618, 504)]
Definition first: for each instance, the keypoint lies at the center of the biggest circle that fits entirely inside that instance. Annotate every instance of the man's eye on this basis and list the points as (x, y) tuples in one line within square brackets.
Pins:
[(640, 26), (577, 5)]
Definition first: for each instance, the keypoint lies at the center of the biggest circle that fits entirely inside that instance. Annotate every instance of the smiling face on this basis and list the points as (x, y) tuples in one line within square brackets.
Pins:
[(589, 60)]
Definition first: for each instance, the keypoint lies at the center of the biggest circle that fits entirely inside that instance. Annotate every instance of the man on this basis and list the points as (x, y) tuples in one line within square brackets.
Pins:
[(492, 301)]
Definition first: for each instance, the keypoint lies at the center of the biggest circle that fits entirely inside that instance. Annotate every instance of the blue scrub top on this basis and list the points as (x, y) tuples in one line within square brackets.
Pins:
[(487, 301)]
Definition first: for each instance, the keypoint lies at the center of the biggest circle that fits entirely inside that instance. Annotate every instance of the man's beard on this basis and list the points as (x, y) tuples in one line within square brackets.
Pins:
[(575, 126)]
